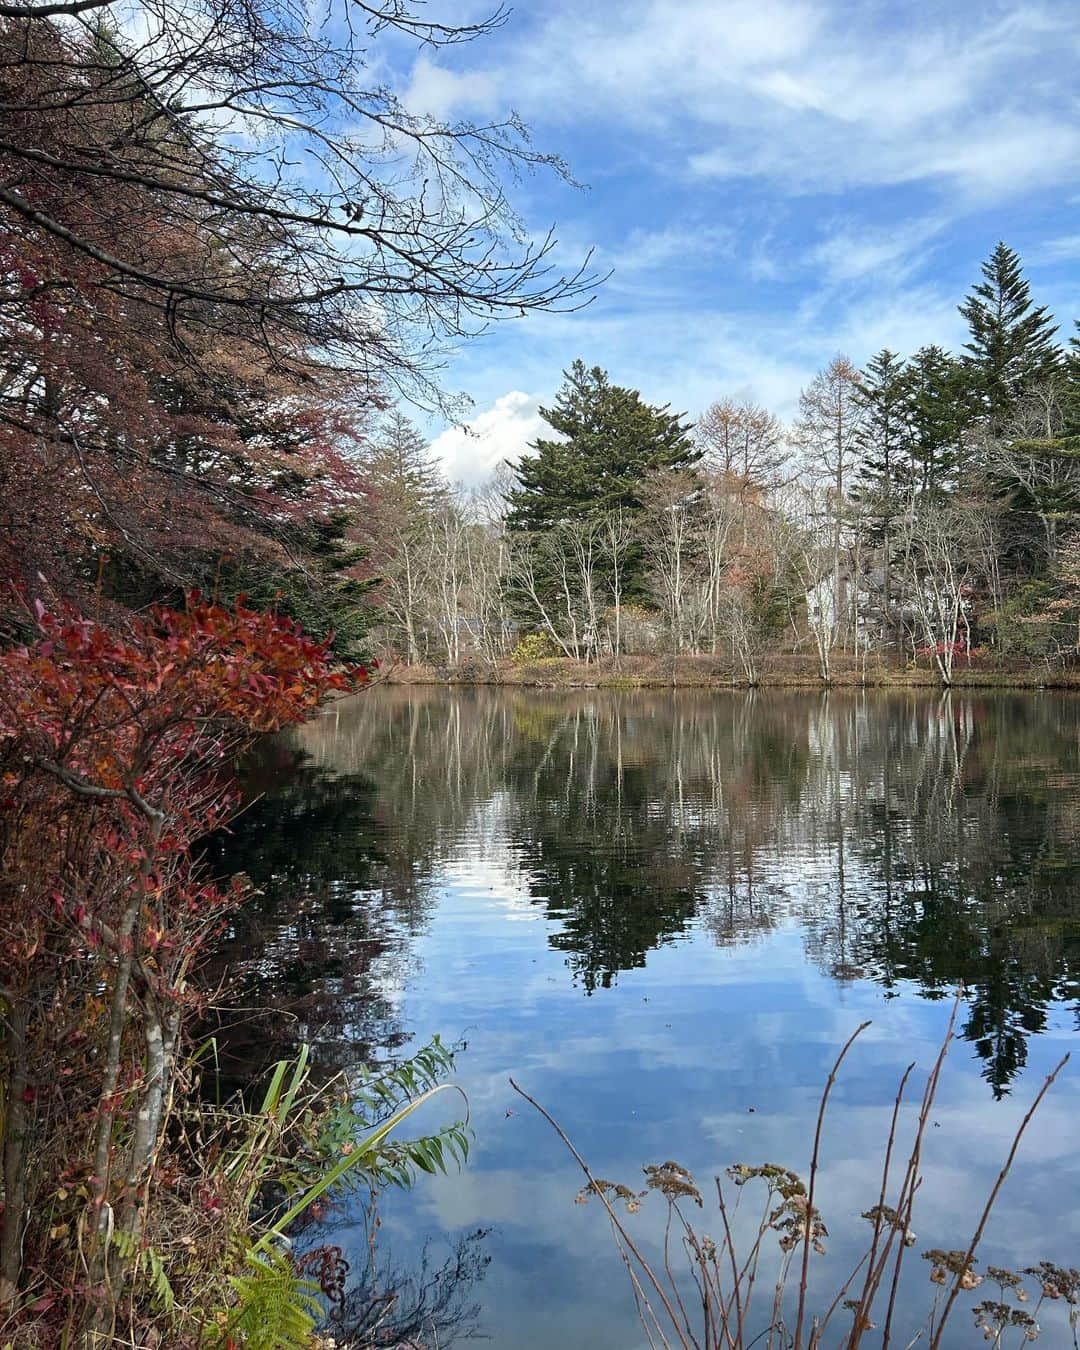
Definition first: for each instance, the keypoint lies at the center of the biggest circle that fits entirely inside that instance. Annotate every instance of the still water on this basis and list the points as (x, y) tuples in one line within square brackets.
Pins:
[(663, 914)]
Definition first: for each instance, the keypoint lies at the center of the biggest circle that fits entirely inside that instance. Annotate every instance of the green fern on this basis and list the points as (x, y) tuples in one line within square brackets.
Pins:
[(146, 1261), (376, 1096), (159, 1281), (275, 1308)]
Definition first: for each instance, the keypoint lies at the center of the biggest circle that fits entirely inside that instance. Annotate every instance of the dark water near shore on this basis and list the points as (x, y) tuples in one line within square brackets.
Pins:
[(663, 914)]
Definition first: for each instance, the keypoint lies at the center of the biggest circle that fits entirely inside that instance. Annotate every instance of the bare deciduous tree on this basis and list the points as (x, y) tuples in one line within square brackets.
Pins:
[(671, 502), (827, 434), (214, 109), (950, 544), (1030, 455)]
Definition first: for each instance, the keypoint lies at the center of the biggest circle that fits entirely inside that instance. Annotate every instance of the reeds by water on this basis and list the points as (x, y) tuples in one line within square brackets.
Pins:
[(725, 1311)]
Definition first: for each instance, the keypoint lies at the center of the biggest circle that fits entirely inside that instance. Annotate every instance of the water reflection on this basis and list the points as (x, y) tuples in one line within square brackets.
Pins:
[(318, 956), (910, 837), (659, 911)]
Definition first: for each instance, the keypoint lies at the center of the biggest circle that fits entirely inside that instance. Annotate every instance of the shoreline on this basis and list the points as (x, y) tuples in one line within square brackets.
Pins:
[(702, 673)]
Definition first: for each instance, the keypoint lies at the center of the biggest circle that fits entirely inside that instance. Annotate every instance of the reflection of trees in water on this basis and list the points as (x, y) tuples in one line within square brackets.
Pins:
[(969, 864), (947, 828), (421, 1304), (621, 814), (913, 837), (316, 957)]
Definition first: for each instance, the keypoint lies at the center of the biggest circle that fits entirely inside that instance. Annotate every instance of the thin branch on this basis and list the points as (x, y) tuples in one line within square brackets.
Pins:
[(813, 1178), (984, 1217), (615, 1221)]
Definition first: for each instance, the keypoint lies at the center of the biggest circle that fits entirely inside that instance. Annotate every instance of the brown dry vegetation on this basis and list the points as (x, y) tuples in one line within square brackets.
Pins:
[(785, 670)]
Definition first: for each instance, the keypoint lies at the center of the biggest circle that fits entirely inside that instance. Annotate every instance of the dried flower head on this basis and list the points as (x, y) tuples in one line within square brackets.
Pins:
[(1057, 1281), (885, 1216), (994, 1318), (943, 1264), (614, 1190), (673, 1182)]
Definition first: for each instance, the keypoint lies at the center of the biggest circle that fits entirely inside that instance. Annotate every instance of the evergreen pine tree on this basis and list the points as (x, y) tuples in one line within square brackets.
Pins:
[(1038, 459), (398, 470), (612, 442), (328, 594), (884, 473), (1012, 341), (936, 415), (406, 490), (1071, 397)]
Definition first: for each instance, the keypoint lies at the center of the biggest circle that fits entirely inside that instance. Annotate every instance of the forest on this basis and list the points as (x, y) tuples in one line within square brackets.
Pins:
[(921, 510), (233, 262)]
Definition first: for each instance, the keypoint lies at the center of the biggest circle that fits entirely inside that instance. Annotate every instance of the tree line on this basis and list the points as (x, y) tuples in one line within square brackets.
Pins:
[(918, 509)]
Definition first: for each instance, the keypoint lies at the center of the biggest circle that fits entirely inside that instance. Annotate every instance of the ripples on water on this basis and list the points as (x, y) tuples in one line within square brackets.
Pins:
[(664, 914)]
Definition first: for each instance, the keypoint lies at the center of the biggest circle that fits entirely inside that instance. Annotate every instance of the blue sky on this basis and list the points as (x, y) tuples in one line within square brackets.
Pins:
[(772, 182)]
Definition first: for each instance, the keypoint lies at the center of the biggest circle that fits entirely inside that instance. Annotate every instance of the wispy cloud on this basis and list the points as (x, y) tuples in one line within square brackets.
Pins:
[(812, 96), (680, 246), (852, 251), (770, 184), (1065, 248)]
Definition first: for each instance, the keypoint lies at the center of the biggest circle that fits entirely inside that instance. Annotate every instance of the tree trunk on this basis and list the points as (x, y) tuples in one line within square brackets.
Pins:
[(16, 1129), (99, 1314)]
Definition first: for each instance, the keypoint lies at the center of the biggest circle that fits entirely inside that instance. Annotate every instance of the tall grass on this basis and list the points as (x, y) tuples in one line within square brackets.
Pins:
[(228, 1255), (705, 1293)]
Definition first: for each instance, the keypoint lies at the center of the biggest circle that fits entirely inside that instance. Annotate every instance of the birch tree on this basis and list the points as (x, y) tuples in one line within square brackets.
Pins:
[(669, 538), (950, 544), (617, 544), (557, 573), (1033, 457)]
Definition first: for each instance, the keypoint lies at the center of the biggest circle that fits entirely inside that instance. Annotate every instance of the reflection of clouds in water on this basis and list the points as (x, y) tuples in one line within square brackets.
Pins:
[(737, 882), (491, 884), (629, 1090), (532, 1203)]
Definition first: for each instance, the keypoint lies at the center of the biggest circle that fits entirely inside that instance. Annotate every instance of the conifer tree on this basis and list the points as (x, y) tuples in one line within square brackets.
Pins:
[(936, 415), (612, 441), (399, 472), (884, 474), (613, 446), (1071, 398), (406, 493), (1012, 341), (1035, 462)]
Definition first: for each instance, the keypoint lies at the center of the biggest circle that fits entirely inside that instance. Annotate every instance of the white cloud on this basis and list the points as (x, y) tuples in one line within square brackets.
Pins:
[(870, 133), (902, 320), (808, 95), (1065, 248), (688, 353), (435, 91), (674, 246), (854, 252), (472, 452)]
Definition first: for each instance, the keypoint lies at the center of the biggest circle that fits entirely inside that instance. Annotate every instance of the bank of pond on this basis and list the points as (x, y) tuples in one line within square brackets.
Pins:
[(714, 672)]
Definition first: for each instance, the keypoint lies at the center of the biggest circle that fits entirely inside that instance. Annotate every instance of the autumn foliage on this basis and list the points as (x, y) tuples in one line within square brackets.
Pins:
[(115, 748), (150, 444)]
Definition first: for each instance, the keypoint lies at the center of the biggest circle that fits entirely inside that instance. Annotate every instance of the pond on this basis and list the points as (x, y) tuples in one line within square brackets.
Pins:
[(663, 914)]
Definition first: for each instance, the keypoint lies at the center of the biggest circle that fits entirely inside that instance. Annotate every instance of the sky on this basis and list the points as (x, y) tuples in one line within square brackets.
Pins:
[(771, 183)]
